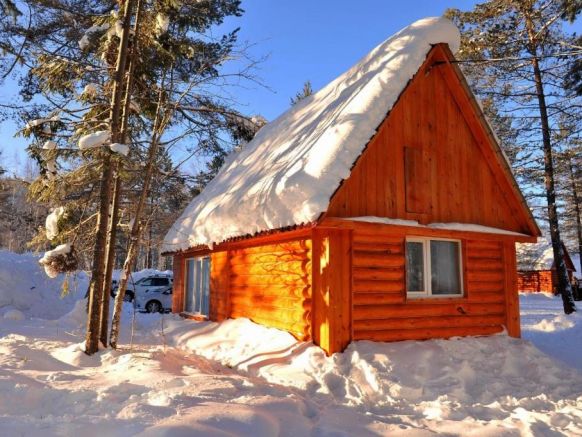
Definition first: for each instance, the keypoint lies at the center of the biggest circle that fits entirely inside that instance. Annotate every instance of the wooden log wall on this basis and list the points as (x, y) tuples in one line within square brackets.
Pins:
[(332, 289), (271, 285), (178, 284), (535, 281), (382, 311), (219, 286)]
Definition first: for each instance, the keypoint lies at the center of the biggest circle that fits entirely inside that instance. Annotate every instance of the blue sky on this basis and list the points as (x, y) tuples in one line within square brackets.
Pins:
[(318, 40), (303, 40)]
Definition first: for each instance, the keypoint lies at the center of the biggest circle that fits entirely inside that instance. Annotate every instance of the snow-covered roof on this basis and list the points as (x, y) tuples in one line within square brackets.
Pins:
[(538, 256), (287, 174)]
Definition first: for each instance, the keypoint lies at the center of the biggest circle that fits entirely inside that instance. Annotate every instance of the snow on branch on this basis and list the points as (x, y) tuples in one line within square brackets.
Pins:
[(87, 36), (51, 223), (39, 121), (122, 149), (96, 139), (162, 24), (59, 260)]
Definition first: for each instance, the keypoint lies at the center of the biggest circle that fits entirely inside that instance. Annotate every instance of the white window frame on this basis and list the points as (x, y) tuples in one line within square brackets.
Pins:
[(195, 279), (427, 273)]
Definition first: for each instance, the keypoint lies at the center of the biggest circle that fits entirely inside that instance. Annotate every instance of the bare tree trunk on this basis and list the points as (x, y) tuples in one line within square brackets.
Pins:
[(150, 252), (100, 251), (573, 182), (564, 287), (135, 233), (112, 234), (111, 237), (136, 229)]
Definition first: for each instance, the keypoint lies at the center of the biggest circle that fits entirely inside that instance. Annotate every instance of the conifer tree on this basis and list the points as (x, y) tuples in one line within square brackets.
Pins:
[(569, 186), (516, 49), (75, 87)]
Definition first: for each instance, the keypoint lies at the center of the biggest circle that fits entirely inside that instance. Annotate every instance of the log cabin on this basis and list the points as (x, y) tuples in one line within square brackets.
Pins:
[(537, 268), (379, 208)]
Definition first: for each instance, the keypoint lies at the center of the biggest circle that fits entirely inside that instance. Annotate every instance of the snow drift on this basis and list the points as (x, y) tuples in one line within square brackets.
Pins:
[(180, 377), (24, 286)]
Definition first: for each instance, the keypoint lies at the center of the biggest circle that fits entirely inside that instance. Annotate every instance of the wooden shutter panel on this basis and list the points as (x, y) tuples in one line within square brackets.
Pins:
[(416, 179)]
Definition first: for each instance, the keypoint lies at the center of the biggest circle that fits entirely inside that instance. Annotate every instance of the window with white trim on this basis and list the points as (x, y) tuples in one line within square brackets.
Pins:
[(433, 267), (197, 285)]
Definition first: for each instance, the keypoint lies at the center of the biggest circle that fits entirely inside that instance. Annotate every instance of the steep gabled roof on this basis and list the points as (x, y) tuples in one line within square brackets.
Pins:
[(287, 174)]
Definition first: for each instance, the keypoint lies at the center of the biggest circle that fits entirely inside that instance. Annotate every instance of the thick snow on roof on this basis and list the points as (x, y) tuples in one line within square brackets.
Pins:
[(287, 174), (539, 256)]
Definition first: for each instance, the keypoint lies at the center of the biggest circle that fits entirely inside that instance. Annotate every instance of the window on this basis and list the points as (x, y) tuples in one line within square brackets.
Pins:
[(154, 282), (433, 267), (160, 282), (197, 291)]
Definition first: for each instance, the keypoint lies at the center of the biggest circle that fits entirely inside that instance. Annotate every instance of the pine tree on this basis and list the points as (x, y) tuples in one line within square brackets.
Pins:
[(512, 45), (75, 88), (573, 80), (569, 184)]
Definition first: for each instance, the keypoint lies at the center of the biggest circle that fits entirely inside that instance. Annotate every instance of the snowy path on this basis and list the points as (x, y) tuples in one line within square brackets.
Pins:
[(260, 382), (49, 387)]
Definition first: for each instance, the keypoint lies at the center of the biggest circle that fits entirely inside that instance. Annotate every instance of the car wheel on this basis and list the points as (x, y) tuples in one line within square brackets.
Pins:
[(153, 306), (128, 296)]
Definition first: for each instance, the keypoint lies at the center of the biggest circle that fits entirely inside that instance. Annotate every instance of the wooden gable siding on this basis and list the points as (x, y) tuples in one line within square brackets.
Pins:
[(427, 163), (382, 311)]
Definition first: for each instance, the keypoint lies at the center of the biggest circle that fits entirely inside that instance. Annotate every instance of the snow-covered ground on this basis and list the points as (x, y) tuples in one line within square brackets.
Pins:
[(24, 287), (544, 323), (179, 377)]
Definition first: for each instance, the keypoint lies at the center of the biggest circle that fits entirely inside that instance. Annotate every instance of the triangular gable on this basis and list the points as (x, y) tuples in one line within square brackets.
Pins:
[(478, 120), (435, 159)]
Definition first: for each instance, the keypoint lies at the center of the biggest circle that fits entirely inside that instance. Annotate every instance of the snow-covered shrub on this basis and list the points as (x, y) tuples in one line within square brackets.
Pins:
[(62, 259)]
